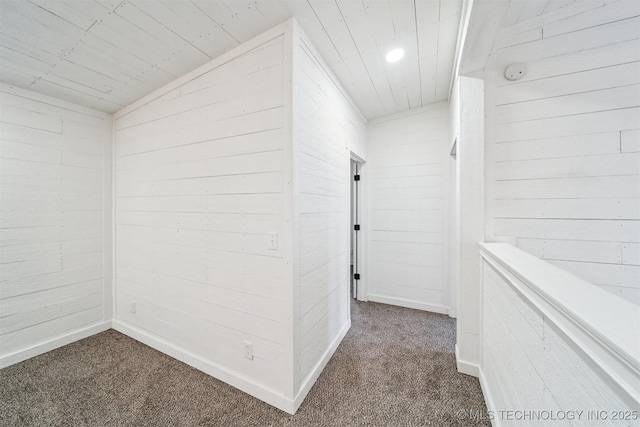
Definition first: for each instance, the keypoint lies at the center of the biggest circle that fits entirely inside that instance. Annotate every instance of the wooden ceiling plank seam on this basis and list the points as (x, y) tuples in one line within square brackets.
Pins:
[(355, 18), (67, 13), (87, 79), (110, 5), (222, 13), (532, 9), (135, 34), (80, 37), (73, 84), (220, 25), (437, 51), (49, 12), (94, 42), (140, 73), (415, 14), (313, 27), (21, 61), (428, 80), (136, 17), (413, 85), (46, 21), (553, 5), (251, 16), (371, 77), (162, 16), (390, 73), (215, 40), (451, 9), (271, 10), (25, 47), (133, 40), (513, 12), (181, 55), (380, 27), (428, 34), (333, 25), (406, 73), (304, 13), (94, 59)]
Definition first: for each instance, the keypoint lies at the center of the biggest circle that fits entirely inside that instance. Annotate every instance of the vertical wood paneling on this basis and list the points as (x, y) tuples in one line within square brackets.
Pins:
[(52, 220), (199, 189), (565, 174), (407, 169)]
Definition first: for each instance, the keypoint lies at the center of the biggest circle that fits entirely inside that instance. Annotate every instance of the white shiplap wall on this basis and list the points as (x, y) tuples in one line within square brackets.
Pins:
[(200, 185), (327, 128), (55, 179), (533, 363), (407, 176), (564, 150)]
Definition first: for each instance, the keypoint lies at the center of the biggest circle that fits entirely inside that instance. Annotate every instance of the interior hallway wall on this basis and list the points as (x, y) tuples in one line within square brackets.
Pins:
[(327, 129), (564, 142), (201, 193), (55, 223), (407, 180)]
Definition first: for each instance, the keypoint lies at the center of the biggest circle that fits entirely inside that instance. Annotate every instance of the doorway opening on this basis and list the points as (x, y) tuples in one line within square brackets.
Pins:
[(355, 226)]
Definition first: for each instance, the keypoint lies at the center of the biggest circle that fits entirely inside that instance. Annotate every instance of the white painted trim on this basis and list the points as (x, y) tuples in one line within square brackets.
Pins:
[(108, 222), (223, 373), (114, 198), (604, 326), (234, 53), (465, 15), (290, 241), (465, 367), (488, 400), (440, 309), (52, 344), (310, 380)]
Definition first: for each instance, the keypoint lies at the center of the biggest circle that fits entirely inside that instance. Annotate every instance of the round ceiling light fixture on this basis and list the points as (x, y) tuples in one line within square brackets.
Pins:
[(395, 55)]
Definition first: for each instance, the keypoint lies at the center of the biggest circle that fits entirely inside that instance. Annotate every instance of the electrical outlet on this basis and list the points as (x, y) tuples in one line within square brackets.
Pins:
[(132, 307), (248, 350)]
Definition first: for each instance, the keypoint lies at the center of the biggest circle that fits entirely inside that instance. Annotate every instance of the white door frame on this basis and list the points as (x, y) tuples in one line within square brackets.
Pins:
[(360, 238)]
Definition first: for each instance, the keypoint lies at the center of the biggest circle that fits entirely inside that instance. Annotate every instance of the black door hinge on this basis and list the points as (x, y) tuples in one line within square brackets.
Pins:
[(356, 276), (356, 177), (356, 227)]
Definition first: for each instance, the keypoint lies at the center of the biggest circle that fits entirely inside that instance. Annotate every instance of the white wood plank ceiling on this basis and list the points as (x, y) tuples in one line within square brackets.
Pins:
[(105, 54)]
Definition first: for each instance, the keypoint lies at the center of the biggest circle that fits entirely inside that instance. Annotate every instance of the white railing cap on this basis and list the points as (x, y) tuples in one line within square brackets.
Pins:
[(614, 321)]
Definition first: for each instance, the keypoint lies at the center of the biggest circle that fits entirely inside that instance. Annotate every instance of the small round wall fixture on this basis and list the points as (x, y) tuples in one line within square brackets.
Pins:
[(395, 55), (515, 71)]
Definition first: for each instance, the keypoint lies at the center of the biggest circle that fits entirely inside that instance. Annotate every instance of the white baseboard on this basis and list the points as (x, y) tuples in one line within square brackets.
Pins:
[(223, 373), (409, 304), (52, 344), (488, 400), (466, 367), (310, 380)]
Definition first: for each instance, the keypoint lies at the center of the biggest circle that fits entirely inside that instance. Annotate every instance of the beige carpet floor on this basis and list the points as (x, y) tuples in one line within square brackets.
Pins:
[(395, 367)]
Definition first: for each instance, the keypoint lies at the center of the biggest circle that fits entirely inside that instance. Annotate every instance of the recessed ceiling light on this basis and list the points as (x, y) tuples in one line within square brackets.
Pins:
[(395, 55)]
